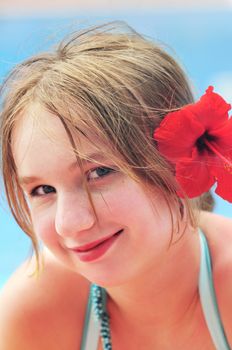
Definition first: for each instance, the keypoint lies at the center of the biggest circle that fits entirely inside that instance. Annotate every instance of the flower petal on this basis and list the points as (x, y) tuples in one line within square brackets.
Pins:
[(177, 134), (223, 174), (194, 176), (223, 136), (212, 110)]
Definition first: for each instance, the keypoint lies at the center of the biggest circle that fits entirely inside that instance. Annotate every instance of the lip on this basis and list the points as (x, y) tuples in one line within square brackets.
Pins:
[(91, 245), (96, 249)]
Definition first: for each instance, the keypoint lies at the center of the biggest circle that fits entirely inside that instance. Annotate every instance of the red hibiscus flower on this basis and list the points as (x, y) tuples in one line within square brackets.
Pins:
[(197, 140)]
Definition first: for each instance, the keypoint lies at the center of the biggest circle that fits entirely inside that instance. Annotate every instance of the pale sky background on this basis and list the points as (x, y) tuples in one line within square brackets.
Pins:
[(56, 7)]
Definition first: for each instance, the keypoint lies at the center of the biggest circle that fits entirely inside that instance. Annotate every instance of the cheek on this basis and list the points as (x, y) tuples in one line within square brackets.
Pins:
[(44, 228), (128, 203), (117, 203), (150, 217)]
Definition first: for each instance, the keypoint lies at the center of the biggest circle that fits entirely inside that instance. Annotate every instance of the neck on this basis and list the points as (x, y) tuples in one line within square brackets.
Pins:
[(163, 297)]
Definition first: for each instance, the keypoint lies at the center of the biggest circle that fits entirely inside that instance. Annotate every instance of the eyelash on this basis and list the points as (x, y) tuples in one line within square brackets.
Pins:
[(34, 192), (110, 171)]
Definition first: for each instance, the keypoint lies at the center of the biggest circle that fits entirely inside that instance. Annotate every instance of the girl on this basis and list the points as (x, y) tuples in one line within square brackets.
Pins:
[(107, 160)]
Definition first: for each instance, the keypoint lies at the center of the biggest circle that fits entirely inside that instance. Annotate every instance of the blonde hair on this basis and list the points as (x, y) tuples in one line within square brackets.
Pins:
[(107, 81)]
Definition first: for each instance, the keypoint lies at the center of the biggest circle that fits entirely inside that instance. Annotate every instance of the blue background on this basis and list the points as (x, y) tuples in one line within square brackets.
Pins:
[(201, 41)]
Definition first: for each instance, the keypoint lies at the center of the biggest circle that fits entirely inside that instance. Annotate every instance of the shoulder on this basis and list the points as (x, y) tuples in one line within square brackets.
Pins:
[(218, 230), (41, 312)]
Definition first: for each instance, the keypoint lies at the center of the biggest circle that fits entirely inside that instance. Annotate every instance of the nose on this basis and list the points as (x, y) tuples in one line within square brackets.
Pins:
[(74, 213)]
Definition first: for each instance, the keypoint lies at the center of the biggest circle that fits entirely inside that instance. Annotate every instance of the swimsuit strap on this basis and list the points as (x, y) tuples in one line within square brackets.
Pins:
[(90, 337), (208, 298)]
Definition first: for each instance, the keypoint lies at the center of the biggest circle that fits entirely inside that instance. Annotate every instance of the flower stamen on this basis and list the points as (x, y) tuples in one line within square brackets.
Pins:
[(226, 162)]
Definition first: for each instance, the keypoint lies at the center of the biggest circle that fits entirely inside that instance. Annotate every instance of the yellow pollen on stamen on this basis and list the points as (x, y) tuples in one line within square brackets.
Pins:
[(228, 167)]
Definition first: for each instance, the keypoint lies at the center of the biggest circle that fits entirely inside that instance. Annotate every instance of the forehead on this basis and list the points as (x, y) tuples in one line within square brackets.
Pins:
[(40, 132), (34, 131)]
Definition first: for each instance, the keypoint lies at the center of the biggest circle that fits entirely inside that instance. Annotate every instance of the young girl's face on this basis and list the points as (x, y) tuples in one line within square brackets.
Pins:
[(129, 233)]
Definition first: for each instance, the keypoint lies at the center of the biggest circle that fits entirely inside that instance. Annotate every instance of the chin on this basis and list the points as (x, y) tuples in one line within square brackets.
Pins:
[(105, 280)]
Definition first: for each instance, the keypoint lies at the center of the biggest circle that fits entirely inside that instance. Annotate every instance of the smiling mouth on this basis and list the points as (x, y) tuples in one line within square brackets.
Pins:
[(96, 244), (93, 251)]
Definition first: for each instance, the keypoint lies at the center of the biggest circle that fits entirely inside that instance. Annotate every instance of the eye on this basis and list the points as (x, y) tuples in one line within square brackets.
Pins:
[(42, 190), (100, 172)]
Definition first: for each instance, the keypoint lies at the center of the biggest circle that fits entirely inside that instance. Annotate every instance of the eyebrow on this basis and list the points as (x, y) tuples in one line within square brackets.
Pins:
[(25, 180), (99, 157)]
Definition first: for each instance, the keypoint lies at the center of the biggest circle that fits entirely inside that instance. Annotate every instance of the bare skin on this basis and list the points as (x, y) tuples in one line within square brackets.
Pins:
[(48, 313)]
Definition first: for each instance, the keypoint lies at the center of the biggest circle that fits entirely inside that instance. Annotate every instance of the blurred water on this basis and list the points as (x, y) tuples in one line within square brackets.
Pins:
[(200, 40)]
